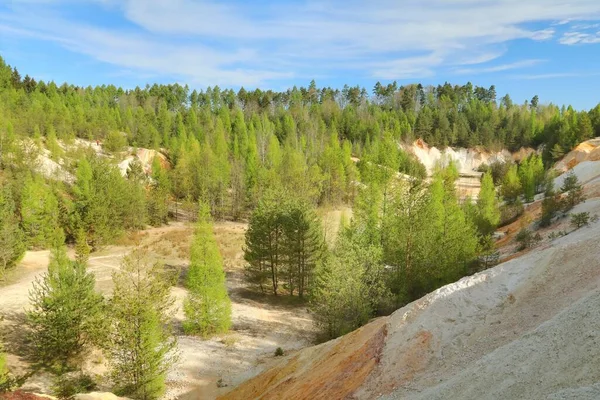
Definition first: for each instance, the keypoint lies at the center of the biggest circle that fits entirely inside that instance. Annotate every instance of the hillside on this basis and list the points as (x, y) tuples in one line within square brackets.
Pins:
[(527, 328)]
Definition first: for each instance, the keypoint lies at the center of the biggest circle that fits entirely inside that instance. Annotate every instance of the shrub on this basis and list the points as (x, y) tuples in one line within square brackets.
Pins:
[(67, 386), (579, 220), (527, 239), (550, 206), (278, 352), (574, 192), (114, 142), (510, 212)]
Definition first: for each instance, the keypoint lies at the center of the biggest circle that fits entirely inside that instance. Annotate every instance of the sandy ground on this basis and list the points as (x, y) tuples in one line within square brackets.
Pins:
[(260, 323)]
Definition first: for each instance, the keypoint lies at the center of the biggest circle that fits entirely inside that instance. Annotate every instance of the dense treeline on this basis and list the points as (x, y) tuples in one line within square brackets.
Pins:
[(167, 115), (227, 148)]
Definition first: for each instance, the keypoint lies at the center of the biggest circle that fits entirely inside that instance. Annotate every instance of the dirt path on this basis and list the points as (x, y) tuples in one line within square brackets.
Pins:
[(258, 327)]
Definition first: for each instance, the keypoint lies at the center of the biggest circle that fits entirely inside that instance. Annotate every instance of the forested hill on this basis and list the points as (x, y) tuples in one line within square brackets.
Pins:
[(168, 115)]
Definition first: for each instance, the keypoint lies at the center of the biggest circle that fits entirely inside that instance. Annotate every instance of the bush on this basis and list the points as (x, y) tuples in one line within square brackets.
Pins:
[(278, 352), (550, 206), (555, 235), (67, 386), (574, 192), (527, 239), (579, 220), (510, 212), (114, 142)]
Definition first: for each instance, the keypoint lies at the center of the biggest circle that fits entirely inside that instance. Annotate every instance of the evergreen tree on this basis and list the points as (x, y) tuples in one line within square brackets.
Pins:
[(451, 236), (263, 250), (39, 212), (303, 245), (64, 310), (488, 211), (349, 287), (158, 202), (102, 200), (140, 346), (511, 185), (207, 306), (82, 248), (574, 191), (12, 244)]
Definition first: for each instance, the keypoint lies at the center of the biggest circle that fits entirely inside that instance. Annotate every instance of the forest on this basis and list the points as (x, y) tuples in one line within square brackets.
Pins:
[(271, 159)]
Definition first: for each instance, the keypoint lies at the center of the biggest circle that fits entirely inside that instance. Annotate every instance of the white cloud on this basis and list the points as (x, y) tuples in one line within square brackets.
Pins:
[(212, 42), (574, 37), (501, 67), (555, 75)]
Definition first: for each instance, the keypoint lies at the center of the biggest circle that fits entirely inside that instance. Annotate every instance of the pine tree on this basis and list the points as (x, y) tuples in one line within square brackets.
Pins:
[(158, 203), (102, 200), (488, 211), (574, 191), (140, 347), (264, 250), (511, 185), (39, 212), (82, 248), (64, 310), (207, 306), (349, 286), (12, 244), (303, 246), (451, 240)]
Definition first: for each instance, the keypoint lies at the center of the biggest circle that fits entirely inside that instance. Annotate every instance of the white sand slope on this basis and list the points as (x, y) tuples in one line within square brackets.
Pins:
[(526, 329)]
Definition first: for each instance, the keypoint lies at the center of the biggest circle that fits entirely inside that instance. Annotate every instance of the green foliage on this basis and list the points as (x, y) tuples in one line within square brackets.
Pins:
[(4, 378), (64, 312), (511, 185), (526, 239), (284, 242), (158, 201), (427, 238), (303, 246), (498, 169), (573, 190), (550, 206), (509, 213), (67, 386), (52, 144), (140, 345), (207, 307), (488, 211), (350, 285), (82, 248), (579, 220), (531, 174), (105, 203), (114, 142), (278, 352), (39, 212), (12, 243)]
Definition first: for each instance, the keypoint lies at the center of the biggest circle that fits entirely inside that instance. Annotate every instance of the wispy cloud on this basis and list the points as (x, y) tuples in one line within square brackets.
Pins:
[(501, 67), (571, 38), (238, 43), (555, 75)]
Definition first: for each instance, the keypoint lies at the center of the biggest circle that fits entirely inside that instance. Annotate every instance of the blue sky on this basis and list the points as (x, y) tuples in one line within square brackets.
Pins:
[(525, 47)]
